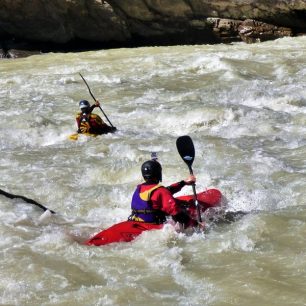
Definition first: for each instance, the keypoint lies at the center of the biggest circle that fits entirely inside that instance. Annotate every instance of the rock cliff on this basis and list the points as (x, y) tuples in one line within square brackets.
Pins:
[(79, 23)]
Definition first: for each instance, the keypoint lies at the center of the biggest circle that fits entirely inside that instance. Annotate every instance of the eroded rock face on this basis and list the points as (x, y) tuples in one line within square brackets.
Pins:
[(150, 21), (160, 15), (60, 21)]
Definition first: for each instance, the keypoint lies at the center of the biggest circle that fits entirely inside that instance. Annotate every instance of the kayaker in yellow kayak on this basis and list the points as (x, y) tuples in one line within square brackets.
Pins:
[(89, 123)]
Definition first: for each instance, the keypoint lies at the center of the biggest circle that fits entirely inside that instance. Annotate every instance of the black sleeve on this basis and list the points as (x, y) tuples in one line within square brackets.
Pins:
[(92, 107)]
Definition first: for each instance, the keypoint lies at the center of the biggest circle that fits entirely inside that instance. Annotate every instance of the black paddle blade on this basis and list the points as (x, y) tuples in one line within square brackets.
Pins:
[(186, 150)]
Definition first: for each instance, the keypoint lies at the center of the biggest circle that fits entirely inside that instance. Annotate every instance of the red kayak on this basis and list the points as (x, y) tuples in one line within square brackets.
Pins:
[(126, 231), (206, 199)]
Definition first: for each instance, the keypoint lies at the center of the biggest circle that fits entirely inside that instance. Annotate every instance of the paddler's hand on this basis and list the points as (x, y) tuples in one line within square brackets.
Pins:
[(190, 180), (97, 104), (201, 226)]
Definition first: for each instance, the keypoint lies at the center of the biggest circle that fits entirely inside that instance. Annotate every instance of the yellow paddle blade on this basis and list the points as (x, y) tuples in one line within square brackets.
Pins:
[(73, 136), (76, 135)]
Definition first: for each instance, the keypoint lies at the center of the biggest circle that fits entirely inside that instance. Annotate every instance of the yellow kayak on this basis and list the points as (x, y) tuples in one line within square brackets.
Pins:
[(75, 136)]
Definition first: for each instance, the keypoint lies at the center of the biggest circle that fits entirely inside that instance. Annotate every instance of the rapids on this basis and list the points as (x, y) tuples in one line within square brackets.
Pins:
[(244, 107)]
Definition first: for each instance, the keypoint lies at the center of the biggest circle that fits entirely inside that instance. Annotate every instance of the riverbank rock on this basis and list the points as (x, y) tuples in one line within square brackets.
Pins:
[(252, 31), (88, 24)]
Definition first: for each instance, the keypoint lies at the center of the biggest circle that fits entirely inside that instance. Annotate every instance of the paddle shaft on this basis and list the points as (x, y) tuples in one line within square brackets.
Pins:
[(30, 201), (95, 99), (196, 203), (186, 150)]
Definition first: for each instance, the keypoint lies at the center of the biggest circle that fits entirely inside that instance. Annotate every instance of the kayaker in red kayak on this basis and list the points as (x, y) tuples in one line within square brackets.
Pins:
[(152, 202), (88, 122)]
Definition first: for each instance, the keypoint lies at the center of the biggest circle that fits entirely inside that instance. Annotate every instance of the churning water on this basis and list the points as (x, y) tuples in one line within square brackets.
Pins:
[(244, 107)]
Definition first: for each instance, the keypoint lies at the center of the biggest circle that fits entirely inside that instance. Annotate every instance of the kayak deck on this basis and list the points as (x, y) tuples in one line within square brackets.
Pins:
[(125, 231)]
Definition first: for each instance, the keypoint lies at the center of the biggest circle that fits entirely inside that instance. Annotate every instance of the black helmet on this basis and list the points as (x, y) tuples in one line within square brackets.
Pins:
[(84, 104), (151, 169)]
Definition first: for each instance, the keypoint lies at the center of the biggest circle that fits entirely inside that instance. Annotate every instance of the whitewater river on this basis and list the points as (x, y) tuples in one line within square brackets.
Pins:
[(244, 107)]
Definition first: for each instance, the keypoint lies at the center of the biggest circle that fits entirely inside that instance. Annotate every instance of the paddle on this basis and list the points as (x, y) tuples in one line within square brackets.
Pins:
[(95, 100), (186, 150), (14, 196)]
